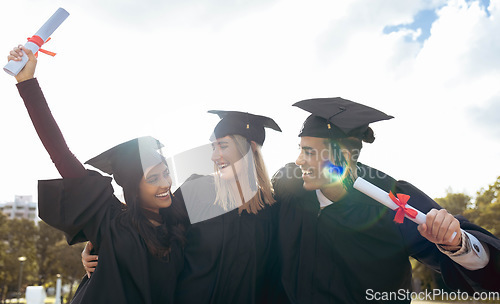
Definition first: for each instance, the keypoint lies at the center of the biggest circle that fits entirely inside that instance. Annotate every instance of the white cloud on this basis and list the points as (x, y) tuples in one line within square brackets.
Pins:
[(119, 75)]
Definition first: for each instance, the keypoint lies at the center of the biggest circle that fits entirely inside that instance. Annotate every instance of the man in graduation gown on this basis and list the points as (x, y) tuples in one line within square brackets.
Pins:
[(340, 246)]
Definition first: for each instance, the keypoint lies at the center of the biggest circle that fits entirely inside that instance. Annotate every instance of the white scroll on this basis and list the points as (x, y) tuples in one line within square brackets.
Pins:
[(383, 197), (14, 67)]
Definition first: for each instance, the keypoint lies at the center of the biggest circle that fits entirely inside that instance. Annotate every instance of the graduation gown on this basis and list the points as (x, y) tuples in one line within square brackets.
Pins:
[(229, 258), (83, 206), (352, 248), (86, 210)]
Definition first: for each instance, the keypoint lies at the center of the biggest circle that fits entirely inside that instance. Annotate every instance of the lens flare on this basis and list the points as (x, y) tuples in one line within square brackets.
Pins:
[(335, 173)]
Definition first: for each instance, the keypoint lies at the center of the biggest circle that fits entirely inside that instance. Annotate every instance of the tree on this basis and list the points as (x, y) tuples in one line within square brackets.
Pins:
[(47, 254), (4, 276), (486, 212), (454, 203), (489, 196), (69, 263), (47, 239), (55, 257), (21, 234)]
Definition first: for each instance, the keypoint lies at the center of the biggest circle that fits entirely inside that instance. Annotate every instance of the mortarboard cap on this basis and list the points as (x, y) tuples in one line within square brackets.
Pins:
[(129, 159), (337, 118), (248, 125)]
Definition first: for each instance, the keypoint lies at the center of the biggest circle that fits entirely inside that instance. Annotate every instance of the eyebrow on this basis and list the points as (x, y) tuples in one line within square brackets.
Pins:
[(150, 175), (306, 148), (220, 143)]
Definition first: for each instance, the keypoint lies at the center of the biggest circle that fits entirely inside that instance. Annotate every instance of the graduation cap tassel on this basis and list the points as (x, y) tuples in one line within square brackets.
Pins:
[(340, 161), (348, 180), (248, 127)]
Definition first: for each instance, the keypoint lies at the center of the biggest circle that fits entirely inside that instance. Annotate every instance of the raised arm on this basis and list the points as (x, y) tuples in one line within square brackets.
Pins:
[(45, 125)]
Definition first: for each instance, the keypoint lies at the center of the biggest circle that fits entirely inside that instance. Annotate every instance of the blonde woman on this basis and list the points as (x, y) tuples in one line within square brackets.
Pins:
[(232, 258), (231, 253)]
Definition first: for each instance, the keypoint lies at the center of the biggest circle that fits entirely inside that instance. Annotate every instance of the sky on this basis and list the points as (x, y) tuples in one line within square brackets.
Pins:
[(128, 68)]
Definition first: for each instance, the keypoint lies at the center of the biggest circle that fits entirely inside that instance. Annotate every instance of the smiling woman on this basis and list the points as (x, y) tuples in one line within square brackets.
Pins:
[(231, 255), (141, 246), (235, 172)]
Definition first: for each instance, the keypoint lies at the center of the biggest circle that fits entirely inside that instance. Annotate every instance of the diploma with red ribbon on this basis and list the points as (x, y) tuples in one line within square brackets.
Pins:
[(34, 43), (396, 202)]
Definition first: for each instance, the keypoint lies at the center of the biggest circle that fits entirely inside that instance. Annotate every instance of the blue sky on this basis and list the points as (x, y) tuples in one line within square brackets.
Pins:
[(422, 21), (131, 68)]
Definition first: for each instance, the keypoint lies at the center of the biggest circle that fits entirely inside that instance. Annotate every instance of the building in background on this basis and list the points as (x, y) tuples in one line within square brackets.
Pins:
[(22, 207)]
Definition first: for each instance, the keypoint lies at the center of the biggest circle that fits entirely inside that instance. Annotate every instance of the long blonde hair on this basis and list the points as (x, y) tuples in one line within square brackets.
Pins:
[(258, 179)]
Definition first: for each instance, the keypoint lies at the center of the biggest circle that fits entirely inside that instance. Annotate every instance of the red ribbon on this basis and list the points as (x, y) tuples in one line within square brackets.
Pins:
[(39, 41), (401, 211)]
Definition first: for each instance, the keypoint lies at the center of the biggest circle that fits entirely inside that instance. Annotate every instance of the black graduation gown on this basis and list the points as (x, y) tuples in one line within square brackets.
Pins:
[(353, 248), (230, 258), (86, 209)]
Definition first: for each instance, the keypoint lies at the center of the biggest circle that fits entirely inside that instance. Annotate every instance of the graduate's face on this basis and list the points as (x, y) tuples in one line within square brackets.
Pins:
[(313, 160), (226, 156), (155, 188)]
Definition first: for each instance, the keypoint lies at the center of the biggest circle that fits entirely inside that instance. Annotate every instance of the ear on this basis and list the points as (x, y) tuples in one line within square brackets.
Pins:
[(254, 145)]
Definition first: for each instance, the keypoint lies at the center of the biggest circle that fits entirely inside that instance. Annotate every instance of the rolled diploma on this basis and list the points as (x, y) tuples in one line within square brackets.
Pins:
[(14, 67), (383, 197)]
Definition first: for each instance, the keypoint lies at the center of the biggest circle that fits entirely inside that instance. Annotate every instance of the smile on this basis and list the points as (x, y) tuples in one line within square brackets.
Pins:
[(222, 165), (164, 194), (306, 172)]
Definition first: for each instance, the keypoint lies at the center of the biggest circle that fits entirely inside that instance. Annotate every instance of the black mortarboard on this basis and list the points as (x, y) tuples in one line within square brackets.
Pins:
[(337, 118), (248, 125), (129, 160)]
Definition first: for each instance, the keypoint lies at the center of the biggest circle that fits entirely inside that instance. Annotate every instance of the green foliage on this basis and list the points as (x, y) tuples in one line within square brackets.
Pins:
[(485, 212), (47, 254), (20, 239), (4, 259), (66, 256), (454, 203), (489, 196), (69, 263)]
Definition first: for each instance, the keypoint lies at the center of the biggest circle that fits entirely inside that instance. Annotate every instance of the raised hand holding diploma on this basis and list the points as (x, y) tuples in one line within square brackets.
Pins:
[(438, 226), (36, 41), (28, 71)]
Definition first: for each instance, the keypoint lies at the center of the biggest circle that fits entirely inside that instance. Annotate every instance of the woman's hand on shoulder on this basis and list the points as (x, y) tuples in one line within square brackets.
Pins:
[(28, 72)]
